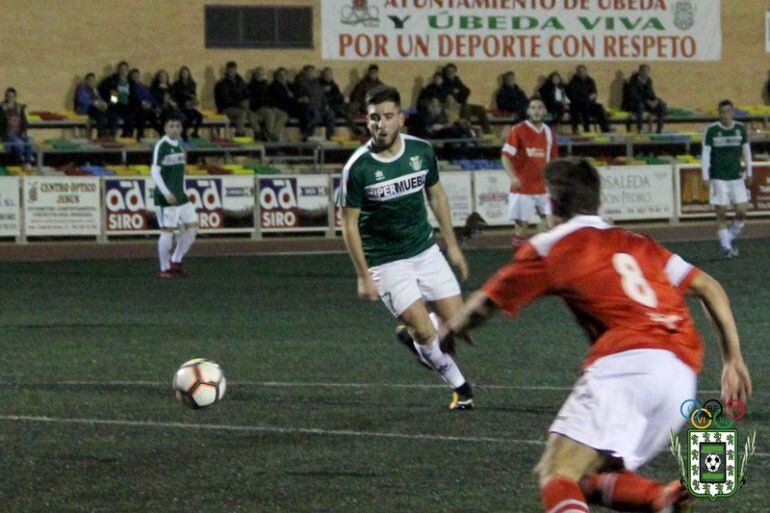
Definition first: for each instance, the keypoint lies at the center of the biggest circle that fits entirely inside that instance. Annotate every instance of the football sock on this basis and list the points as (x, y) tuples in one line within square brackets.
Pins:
[(621, 491), (165, 241), (442, 362), (186, 239), (725, 239), (736, 228), (562, 495)]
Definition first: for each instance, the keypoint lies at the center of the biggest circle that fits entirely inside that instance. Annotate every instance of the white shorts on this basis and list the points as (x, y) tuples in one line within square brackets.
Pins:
[(425, 276), (522, 207), (728, 192), (172, 217), (626, 403)]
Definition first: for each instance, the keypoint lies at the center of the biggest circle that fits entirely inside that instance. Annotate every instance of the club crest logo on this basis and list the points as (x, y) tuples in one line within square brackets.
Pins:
[(684, 14), (359, 12), (711, 467), (416, 162), (378, 175)]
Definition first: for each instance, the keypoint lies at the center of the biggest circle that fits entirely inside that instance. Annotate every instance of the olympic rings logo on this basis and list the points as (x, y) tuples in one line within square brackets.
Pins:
[(712, 412)]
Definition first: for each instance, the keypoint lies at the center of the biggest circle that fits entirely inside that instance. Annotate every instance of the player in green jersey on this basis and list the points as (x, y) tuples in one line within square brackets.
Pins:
[(173, 206), (724, 144), (391, 242)]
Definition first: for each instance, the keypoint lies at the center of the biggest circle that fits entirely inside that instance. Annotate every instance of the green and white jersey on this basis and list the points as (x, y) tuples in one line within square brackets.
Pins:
[(169, 156), (723, 147), (391, 195)]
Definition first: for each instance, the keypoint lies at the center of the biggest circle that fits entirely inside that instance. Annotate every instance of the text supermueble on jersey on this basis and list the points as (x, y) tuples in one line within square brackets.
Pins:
[(397, 187)]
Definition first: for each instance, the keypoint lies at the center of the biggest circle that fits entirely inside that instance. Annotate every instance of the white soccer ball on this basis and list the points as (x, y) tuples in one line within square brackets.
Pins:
[(712, 462), (199, 383)]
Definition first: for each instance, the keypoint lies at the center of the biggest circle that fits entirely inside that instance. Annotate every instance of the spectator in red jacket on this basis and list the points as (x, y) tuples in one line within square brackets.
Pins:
[(13, 128)]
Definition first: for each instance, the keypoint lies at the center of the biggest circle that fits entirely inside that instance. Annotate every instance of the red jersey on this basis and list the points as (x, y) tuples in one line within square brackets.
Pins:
[(529, 150), (624, 289)]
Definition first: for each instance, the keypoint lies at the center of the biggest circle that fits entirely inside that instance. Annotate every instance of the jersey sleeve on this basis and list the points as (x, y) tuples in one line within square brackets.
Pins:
[(511, 146), (352, 188), (432, 178), (554, 145), (679, 272), (519, 283), (744, 135)]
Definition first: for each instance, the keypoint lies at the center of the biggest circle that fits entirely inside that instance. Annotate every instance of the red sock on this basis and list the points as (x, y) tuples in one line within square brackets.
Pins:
[(562, 495), (621, 491)]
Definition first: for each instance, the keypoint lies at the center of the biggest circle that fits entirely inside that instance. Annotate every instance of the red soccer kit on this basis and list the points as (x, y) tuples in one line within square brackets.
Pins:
[(529, 150), (624, 289)]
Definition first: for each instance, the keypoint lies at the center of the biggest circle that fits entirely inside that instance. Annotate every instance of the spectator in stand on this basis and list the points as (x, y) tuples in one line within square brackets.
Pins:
[(232, 98), (582, 94), (89, 103), (369, 82), (433, 90), (454, 86), (184, 93), (116, 90), (161, 92), (640, 97), (310, 94), (281, 95), (144, 108), (555, 98), (13, 128), (511, 98), (336, 101), (266, 120), (434, 122)]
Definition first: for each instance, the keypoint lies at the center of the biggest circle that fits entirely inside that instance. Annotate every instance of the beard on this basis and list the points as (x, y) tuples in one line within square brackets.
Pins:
[(378, 147)]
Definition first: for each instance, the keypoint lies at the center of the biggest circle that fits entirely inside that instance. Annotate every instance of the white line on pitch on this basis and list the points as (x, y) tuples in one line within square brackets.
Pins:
[(291, 384), (264, 429)]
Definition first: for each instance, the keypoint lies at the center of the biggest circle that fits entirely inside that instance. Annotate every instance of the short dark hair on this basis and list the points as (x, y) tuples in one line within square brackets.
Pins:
[(383, 93), (535, 98), (231, 64), (574, 185), (89, 75), (172, 116), (372, 67), (122, 63), (450, 66), (725, 103), (11, 90)]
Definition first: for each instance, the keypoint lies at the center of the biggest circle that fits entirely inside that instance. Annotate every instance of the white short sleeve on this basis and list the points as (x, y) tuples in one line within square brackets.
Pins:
[(677, 270)]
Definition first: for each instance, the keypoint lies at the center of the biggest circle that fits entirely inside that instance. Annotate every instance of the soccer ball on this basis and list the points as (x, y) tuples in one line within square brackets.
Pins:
[(199, 383), (712, 462)]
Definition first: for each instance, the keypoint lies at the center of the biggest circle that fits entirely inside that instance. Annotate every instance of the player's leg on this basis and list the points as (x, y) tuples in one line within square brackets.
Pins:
[(739, 196), (563, 464), (167, 221), (521, 208), (719, 197), (188, 220), (545, 210)]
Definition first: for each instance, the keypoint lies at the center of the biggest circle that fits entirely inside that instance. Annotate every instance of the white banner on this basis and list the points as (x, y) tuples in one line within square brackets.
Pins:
[(223, 204), (9, 207), (491, 196), (62, 206), (767, 30), (458, 189), (637, 192), (535, 30)]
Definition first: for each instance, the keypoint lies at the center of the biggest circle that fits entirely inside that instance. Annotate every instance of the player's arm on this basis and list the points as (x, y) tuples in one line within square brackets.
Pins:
[(706, 158), (158, 178), (439, 204), (509, 151), (475, 312), (736, 383), (367, 290), (747, 155)]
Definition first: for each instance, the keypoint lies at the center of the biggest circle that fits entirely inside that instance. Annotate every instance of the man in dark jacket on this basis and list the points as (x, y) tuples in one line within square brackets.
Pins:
[(511, 98), (582, 94), (232, 98), (116, 91), (89, 102), (639, 97), (369, 82), (263, 112), (336, 101), (13, 128), (310, 95), (433, 90), (454, 86), (144, 106)]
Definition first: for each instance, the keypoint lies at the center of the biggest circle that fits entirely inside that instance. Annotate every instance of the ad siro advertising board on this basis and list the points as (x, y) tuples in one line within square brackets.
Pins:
[(294, 203)]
